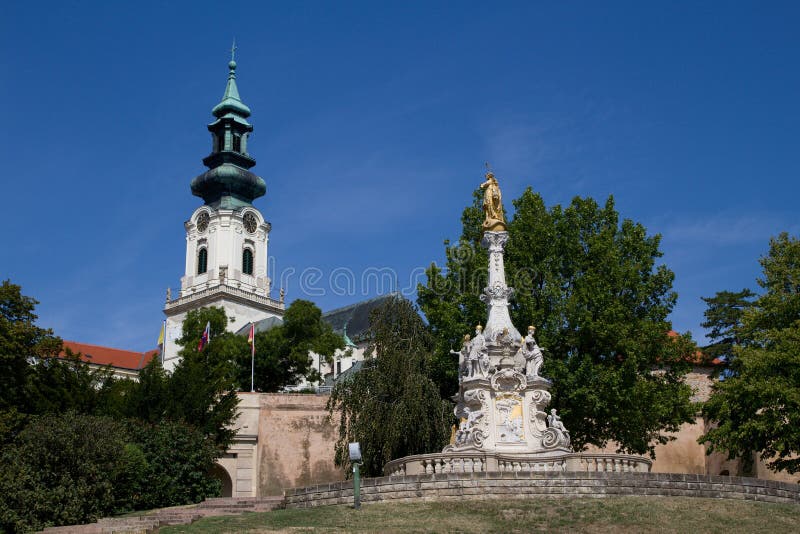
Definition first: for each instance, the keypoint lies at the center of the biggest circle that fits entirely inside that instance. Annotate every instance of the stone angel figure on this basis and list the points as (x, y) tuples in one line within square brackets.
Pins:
[(477, 350), (532, 353), (554, 421), (463, 356)]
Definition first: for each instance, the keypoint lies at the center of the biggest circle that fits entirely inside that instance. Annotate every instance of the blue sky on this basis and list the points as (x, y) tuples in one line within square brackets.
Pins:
[(372, 123)]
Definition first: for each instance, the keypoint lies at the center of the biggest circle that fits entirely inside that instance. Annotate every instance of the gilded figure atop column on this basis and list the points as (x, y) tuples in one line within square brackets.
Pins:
[(494, 218)]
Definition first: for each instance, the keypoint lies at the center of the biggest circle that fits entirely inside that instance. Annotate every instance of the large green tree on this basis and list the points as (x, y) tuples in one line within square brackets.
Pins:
[(21, 342), (391, 407), (757, 407), (283, 353), (201, 391), (67, 468), (591, 285)]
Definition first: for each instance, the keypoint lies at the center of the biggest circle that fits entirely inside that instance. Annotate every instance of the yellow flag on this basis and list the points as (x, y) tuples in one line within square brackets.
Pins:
[(161, 334)]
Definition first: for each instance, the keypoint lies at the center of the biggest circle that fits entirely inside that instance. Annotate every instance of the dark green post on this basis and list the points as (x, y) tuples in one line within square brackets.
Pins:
[(355, 459), (356, 485)]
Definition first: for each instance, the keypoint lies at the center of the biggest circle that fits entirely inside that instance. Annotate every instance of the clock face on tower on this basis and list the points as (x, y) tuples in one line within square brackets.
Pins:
[(250, 222), (202, 222)]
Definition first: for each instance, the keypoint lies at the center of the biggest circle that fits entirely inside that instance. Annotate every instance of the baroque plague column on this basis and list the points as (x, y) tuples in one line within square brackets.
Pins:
[(502, 399)]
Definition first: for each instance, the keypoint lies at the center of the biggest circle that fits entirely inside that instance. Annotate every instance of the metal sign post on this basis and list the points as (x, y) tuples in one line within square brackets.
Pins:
[(355, 459)]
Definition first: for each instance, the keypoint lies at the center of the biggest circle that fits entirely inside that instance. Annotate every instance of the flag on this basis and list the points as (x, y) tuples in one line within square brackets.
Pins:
[(161, 334), (206, 337), (251, 338)]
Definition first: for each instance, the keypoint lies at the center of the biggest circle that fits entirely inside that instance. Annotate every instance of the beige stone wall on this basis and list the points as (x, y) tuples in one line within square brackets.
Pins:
[(295, 442), (463, 486), (286, 440)]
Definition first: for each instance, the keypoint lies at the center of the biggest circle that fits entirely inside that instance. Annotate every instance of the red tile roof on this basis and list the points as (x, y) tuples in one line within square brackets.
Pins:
[(698, 358), (123, 359)]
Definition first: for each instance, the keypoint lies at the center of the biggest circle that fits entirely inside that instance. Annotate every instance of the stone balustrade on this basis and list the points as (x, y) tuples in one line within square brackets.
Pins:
[(479, 462)]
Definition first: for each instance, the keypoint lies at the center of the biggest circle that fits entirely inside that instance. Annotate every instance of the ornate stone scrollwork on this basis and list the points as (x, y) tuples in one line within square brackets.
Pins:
[(475, 396), (540, 397), (494, 241), (508, 380), (496, 292), (555, 439), (469, 433), (556, 436)]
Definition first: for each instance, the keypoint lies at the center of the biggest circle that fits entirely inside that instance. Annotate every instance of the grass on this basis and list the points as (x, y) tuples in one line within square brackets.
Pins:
[(613, 514)]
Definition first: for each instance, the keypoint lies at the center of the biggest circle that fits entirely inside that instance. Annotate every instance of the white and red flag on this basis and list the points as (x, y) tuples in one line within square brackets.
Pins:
[(206, 337)]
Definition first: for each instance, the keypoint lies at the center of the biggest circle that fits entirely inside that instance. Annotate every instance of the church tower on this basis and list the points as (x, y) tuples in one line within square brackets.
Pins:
[(226, 237)]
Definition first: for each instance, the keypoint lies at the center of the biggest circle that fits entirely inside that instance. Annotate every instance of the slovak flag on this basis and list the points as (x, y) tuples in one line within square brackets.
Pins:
[(206, 337)]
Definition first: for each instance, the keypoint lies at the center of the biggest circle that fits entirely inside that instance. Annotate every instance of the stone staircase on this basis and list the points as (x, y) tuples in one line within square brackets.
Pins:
[(149, 522)]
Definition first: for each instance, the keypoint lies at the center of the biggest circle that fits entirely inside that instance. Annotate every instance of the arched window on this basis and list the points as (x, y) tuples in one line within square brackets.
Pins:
[(202, 261), (247, 261)]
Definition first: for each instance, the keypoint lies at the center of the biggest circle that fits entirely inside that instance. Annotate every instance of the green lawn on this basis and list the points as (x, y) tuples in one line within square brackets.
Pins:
[(615, 514)]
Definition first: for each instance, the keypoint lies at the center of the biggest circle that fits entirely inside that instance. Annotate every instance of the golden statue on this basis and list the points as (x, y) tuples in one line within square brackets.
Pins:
[(495, 220)]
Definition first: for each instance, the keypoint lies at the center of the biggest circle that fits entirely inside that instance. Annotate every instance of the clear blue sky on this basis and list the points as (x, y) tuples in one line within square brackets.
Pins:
[(372, 123)]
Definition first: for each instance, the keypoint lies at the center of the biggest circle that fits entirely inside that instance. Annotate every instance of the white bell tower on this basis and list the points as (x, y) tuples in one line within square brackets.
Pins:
[(226, 237)]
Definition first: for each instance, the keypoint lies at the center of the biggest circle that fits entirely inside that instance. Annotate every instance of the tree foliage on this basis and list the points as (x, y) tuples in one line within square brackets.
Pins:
[(202, 388), (757, 407), (70, 468), (79, 444), (591, 286), (391, 407), (65, 469), (67, 384), (282, 353), (724, 314), (20, 342)]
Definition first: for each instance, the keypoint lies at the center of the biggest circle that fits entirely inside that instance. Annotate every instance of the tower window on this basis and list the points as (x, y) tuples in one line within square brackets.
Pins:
[(247, 261), (202, 261), (220, 140), (237, 143)]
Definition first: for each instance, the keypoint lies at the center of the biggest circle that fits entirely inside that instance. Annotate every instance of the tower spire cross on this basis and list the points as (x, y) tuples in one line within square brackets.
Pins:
[(233, 50)]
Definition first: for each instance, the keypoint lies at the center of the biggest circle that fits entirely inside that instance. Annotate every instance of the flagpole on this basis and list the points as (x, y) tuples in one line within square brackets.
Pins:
[(164, 345), (252, 358)]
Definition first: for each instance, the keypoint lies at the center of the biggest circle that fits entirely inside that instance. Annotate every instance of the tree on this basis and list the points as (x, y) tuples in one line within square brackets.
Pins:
[(70, 468), (282, 353), (66, 469), (757, 407), (591, 286), (20, 342), (391, 407), (724, 319), (57, 385), (202, 388), (179, 461)]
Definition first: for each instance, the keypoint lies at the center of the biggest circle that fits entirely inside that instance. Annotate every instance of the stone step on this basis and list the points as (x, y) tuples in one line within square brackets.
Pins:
[(180, 515)]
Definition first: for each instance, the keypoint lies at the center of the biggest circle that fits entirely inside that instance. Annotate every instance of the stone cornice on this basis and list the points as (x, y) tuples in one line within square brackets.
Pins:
[(211, 295)]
